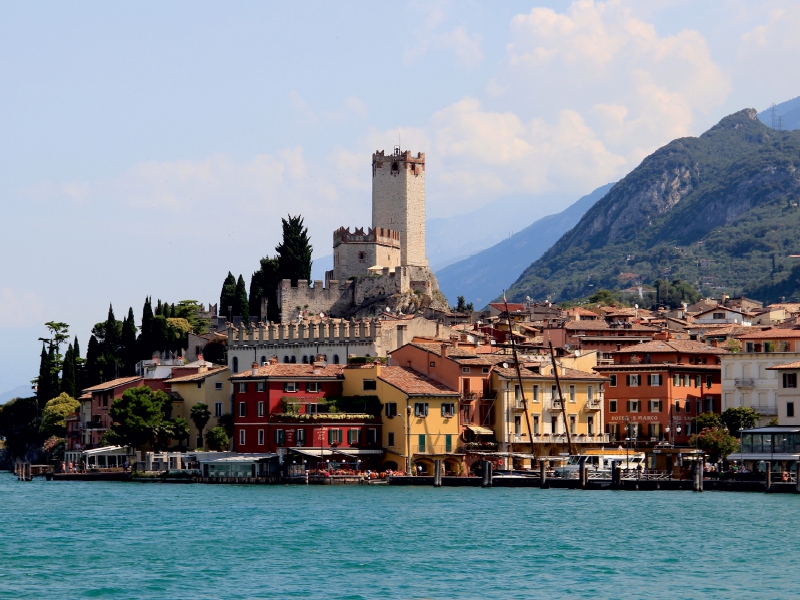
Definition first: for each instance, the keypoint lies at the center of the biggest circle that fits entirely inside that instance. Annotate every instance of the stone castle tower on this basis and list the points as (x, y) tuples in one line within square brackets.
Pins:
[(398, 201)]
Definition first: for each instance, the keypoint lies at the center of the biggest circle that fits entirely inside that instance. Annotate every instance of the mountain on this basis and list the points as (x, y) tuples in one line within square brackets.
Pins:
[(720, 211), (789, 113), (486, 274), (21, 391)]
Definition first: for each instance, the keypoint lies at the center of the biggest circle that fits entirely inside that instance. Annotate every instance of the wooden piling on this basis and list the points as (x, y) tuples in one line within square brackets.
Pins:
[(487, 474), (768, 483), (582, 474), (542, 473), (437, 473)]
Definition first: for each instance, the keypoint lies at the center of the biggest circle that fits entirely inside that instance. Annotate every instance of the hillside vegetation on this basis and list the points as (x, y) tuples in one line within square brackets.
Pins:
[(720, 211)]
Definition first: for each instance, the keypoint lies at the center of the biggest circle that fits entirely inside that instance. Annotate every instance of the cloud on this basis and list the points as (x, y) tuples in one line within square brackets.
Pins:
[(465, 46)]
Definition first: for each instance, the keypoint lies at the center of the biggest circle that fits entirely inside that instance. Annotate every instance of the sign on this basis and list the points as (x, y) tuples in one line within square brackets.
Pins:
[(321, 433), (634, 418)]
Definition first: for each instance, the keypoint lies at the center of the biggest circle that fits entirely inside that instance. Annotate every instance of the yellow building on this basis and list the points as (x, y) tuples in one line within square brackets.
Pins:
[(582, 393), (419, 416), (211, 386)]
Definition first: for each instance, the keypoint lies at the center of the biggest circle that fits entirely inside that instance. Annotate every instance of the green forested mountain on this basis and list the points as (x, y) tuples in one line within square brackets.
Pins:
[(720, 211)]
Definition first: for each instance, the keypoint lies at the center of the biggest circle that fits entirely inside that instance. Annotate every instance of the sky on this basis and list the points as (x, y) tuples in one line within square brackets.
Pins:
[(151, 147)]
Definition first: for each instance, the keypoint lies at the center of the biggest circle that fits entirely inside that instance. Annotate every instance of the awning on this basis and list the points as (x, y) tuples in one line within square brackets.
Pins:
[(480, 430), (320, 452)]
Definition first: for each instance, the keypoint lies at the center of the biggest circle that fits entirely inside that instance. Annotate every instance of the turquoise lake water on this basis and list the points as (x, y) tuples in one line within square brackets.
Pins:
[(128, 540)]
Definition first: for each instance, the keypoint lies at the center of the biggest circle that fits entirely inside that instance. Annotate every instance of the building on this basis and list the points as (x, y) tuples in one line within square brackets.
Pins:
[(723, 315), (748, 380), (777, 445), (656, 389), (296, 407), (208, 384), (420, 416), (86, 428), (582, 393)]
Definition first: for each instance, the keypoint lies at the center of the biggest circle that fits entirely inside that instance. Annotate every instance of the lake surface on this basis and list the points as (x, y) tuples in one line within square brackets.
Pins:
[(131, 540)]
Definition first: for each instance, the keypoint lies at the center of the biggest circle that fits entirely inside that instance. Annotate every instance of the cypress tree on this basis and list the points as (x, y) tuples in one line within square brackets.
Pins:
[(269, 281), (111, 347), (227, 295), (44, 391), (146, 334), (294, 252), (80, 376), (159, 308), (55, 369), (128, 346), (69, 384), (254, 299), (93, 367), (240, 304)]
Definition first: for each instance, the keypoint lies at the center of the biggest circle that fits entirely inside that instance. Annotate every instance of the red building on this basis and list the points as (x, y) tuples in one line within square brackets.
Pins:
[(86, 428), (657, 388), (284, 406)]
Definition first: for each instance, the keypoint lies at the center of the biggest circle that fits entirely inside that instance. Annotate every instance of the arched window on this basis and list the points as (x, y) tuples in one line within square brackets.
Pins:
[(286, 359), (235, 364), (336, 359), (305, 359), (325, 357), (395, 168), (293, 360), (263, 360)]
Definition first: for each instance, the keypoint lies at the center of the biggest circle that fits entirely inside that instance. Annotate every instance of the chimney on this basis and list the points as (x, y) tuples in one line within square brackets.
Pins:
[(273, 360), (444, 350), (255, 369)]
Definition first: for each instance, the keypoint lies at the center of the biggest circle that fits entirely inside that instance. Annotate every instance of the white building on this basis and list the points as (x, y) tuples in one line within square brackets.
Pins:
[(721, 315)]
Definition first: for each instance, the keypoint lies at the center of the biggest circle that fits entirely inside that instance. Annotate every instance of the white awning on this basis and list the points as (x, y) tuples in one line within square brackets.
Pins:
[(107, 450), (480, 430), (320, 452)]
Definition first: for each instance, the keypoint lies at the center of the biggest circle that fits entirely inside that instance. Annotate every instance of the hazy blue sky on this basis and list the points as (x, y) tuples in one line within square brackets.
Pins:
[(150, 147)]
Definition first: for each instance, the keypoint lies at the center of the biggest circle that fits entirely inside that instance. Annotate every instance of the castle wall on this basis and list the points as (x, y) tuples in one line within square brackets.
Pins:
[(355, 253), (336, 298), (398, 201)]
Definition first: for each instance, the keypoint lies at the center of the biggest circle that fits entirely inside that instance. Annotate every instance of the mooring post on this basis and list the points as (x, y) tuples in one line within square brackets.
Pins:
[(487, 474), (768, 483), (582, 475), (437, 473), (615, 474), (542, 473)]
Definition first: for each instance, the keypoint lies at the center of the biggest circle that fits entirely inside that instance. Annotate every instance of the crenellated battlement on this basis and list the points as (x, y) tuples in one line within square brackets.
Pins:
[(327, 331), (380, 235)]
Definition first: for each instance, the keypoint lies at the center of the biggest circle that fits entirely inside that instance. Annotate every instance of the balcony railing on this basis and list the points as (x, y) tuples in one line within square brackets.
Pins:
[(765, 411), (594, 405), (561, 438), (555, 404), (744, 383), (437, 449)]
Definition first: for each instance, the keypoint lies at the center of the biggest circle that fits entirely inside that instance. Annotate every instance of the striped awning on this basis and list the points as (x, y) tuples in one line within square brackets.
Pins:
[(480, 430)]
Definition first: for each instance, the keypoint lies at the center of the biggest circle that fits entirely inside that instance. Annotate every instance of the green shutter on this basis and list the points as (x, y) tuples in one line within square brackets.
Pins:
[(422, 442), (448, 443)]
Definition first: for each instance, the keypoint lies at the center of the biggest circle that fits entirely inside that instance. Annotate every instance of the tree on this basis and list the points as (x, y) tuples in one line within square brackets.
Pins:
[(146, 343), (716, 441), (69, 383), (674, 294), (739, 417), (217, 439), (93, 369), (180, 430), (80, 371), (240, 303), (190, 310), (294, 251), (215, 351), (112, 333), (265, 283), (164, 434), (137, 415), (226, 421), (19, 425), (604, 297), (227, 296), (129, 350), (706, 420), (461, 307), (54, 415), (200, 416), (44, 387)]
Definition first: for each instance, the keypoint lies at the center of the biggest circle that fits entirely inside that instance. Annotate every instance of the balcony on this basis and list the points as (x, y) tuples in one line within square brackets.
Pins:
[(765, 411), (561, 438), (555, 405), (593, 405), (432, 449), (744, 383)]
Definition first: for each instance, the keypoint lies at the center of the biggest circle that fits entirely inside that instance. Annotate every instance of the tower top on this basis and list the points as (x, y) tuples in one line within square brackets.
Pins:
[(399, 155)]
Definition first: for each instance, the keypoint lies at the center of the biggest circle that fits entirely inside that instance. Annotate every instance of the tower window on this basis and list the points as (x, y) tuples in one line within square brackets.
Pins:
[(395, 168), (362, 256)]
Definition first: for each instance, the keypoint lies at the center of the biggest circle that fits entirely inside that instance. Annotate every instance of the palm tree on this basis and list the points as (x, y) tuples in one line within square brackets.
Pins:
[(200, 416)]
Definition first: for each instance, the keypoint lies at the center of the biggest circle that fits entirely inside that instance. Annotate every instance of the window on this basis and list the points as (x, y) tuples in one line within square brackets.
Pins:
[(305, 359), (612, 380), (687, 428), (554, 425), (311, 408), (260, 406), (241, 437), (517, 424), (280, 436), (218, 385), (421, 441), (391, 409), (235, 364), (372, 436), (517, 395), (708, 381), (655, 380), (655, 406), (536, 393), (242, 388), (699, 406), (572, 424), (697, 381), (353, 436), (421, 409), (390, 439), (336, 359), (790, 409), (312, 386), (261, 386), (590, 393), (485, 370), (290, 386), (242, 409), (370, 384), (632, 380), (634, 406), (612, 406), (218, 409), (718, 316), (465, 369), (687, 407), (687, 380), (677, 406), (535, 424), (260, 437), (590, 425), (654, 430), (300, 437), (199, 384), (334, 436), (677, 380), (448, 410), (790, 380), (573, 395), (433, 363)]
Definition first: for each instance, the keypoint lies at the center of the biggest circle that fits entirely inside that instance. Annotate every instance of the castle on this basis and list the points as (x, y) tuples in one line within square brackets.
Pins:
[(384, 267)]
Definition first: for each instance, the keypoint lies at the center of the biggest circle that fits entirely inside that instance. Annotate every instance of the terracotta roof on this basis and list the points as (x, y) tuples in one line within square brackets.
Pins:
[(569, 375), (791, 307), (767, 334), (657, 367), (512, 306), (196, 376), (283, 370), (586, 325), (110, 385), (579, 310), (787, 366), (680, 346), (721, 308), (414, 383), (436, 349)]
